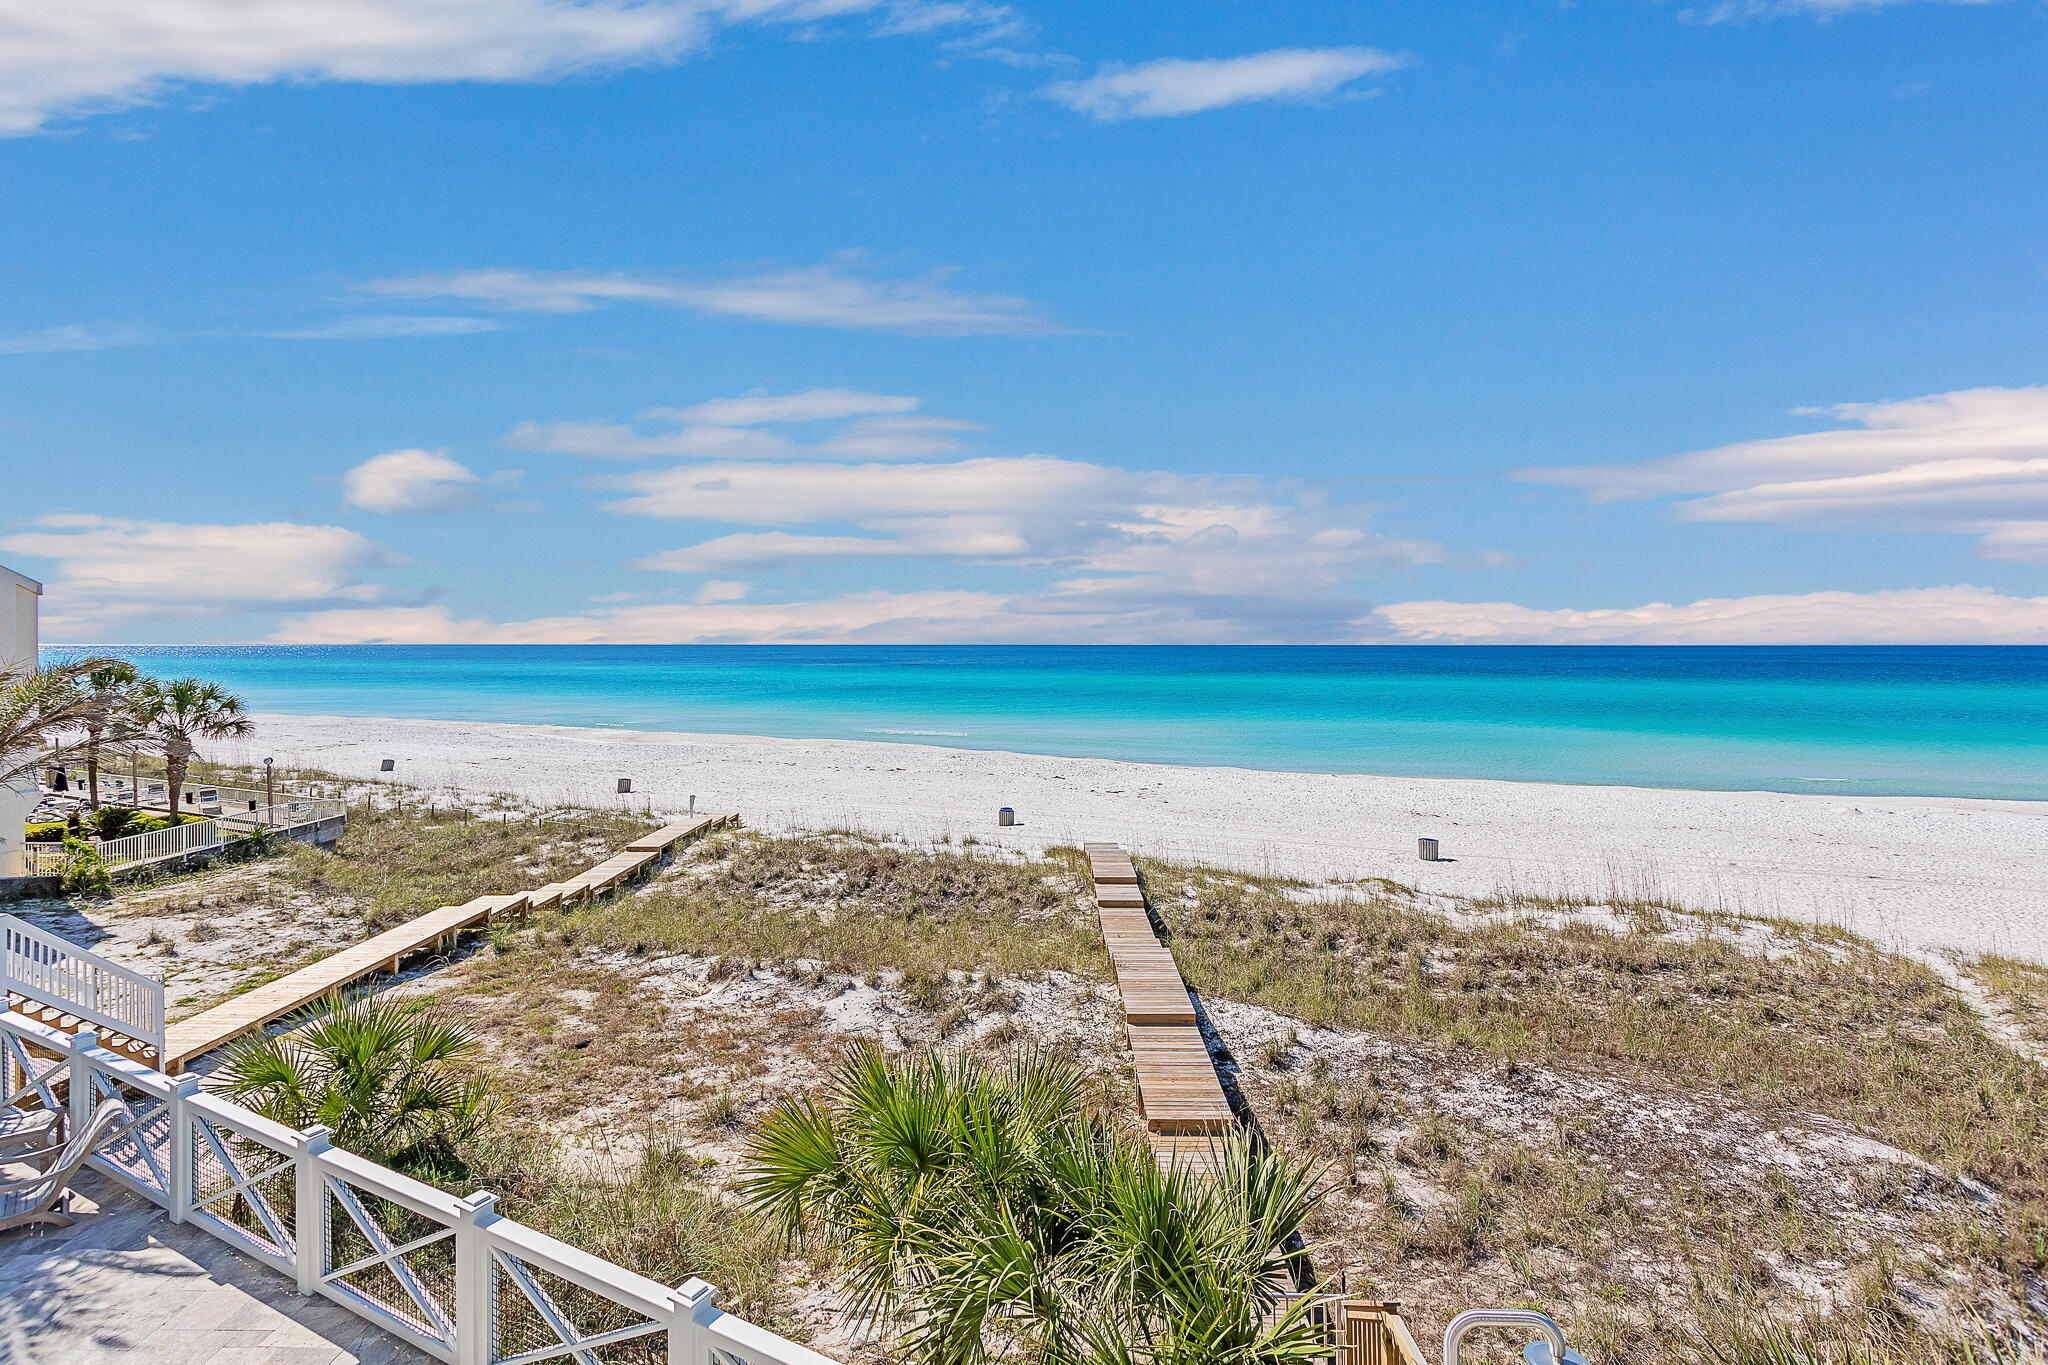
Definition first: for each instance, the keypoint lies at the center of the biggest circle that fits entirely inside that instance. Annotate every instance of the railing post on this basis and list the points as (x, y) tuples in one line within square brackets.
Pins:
[(183, 1088), (696, 1304), (309, 1208), (475, 1312), (79, 1082)]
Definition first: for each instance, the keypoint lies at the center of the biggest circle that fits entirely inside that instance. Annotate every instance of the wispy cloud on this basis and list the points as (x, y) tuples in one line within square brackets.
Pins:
[(411, 481), (840, 293), (1952, 615), (872, 426), (1974, 461), (78, 57), (383, 326), (1171, 87), (74, 337), (1734, 11), (114, 571)]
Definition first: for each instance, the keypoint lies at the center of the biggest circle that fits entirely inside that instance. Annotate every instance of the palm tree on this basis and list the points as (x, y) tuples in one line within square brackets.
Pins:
[(35, 705), (170, 716), (987, 1212), (395, 1082), (106, 691)]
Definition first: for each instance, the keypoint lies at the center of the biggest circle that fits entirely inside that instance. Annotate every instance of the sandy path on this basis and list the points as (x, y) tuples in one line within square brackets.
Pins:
[(1920, 874)]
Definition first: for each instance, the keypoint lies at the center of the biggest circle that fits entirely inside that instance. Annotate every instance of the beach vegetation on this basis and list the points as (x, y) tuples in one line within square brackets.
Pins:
[(396, 1082), (980, 1210)]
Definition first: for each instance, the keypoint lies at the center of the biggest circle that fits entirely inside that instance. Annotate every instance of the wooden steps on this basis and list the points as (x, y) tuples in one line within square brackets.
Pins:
[(1182, 1101), (53, 1016), (209, 1029)]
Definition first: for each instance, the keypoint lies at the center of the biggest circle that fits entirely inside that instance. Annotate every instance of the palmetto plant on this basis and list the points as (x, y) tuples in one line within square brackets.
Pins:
[(394, 1082), (983, 1210), (173, 716)]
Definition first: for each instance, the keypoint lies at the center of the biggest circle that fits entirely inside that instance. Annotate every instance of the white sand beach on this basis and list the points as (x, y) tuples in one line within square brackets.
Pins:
[(1918, 874)]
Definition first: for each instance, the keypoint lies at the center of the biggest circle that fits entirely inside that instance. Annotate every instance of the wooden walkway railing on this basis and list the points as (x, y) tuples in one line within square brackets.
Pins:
[(1182, 1101), (209, 1029)]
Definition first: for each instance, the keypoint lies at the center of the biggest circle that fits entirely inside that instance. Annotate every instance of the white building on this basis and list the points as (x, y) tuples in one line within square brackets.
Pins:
[(19, 599)]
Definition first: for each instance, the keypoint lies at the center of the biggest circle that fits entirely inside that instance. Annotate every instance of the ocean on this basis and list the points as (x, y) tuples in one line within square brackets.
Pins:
[(1929, 721)]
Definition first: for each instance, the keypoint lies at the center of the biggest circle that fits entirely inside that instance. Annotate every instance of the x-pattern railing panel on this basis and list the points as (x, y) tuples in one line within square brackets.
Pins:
[(26, 1074), (540, 1316), (409, 1276), (141, 1153), (231, 1196)]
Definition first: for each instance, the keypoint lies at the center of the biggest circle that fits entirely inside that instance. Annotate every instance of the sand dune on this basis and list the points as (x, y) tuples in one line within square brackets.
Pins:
[(1920, 874)]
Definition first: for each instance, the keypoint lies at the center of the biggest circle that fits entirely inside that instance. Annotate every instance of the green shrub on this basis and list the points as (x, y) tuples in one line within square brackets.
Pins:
[(49, 832), (111, 822), (85, 873)]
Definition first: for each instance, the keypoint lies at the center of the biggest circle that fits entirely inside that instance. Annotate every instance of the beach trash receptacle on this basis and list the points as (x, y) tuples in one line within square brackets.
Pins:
[(625, 785), (1426, 849), (387, 765), (1006, 816)]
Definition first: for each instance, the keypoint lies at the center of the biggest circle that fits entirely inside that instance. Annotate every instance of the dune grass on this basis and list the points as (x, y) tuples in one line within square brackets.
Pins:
[(2022, 987), (1824, 1021), (857, 904)]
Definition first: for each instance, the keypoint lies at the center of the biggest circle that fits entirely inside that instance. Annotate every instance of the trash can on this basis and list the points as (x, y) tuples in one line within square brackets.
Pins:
[(387, 765), (625, 785), (1006, 816), (1426, 849)]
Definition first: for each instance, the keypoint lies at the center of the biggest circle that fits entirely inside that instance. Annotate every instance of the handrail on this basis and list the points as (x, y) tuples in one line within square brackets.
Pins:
[(1473, 1319), (56, 972)]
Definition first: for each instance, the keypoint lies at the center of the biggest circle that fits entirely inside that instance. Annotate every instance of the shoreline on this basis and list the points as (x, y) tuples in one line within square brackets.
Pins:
[(1916, 873)]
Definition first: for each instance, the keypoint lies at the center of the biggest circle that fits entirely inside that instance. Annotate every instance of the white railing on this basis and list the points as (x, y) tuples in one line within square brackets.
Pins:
[(45, 859), (161, 843), (444, 1274), (54, 971)]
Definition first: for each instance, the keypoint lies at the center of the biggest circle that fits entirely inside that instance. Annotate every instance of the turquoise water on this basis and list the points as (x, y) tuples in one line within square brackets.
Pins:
[(1898, 721)]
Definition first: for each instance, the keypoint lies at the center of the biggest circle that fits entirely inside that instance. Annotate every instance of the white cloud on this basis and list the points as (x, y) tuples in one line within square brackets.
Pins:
[(1172, 86), (1954, 615), (74, 337), (1732, 11), (1974, 461), (914, 617), (769, 549), (411, 481), (82, 56), (873, 427), (617, 441), (836, 294), (722, 590), (67, 58), (812, 405), (1154, 553), (378, 327), (112, 572)]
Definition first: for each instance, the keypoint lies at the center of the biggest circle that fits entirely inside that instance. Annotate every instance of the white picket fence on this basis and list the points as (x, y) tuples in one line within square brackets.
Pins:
[(43, 967), (445, 1274)]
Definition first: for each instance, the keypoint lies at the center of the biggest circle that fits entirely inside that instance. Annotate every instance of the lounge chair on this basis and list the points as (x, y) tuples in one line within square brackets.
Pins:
[(28, 1128), (45, 1197)]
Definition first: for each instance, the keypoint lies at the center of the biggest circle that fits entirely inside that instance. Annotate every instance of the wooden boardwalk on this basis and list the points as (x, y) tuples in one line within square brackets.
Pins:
[(436, 930), (1182, 1102)]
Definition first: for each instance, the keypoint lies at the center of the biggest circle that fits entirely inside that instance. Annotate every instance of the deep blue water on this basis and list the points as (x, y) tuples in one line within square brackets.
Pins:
[(1916, 721)]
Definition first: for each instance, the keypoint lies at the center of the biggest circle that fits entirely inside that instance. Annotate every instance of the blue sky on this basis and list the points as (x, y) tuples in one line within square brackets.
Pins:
[(425, 320)]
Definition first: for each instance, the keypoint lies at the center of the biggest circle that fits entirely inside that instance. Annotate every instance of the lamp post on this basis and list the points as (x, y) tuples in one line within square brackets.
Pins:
[(269, 793)]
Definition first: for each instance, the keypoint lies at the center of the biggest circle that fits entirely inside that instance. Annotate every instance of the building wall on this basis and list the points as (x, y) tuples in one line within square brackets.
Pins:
[(19, 600)]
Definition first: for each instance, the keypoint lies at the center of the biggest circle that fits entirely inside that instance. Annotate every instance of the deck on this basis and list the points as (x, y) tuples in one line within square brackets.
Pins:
[(435, 931), (1182, 1101)]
